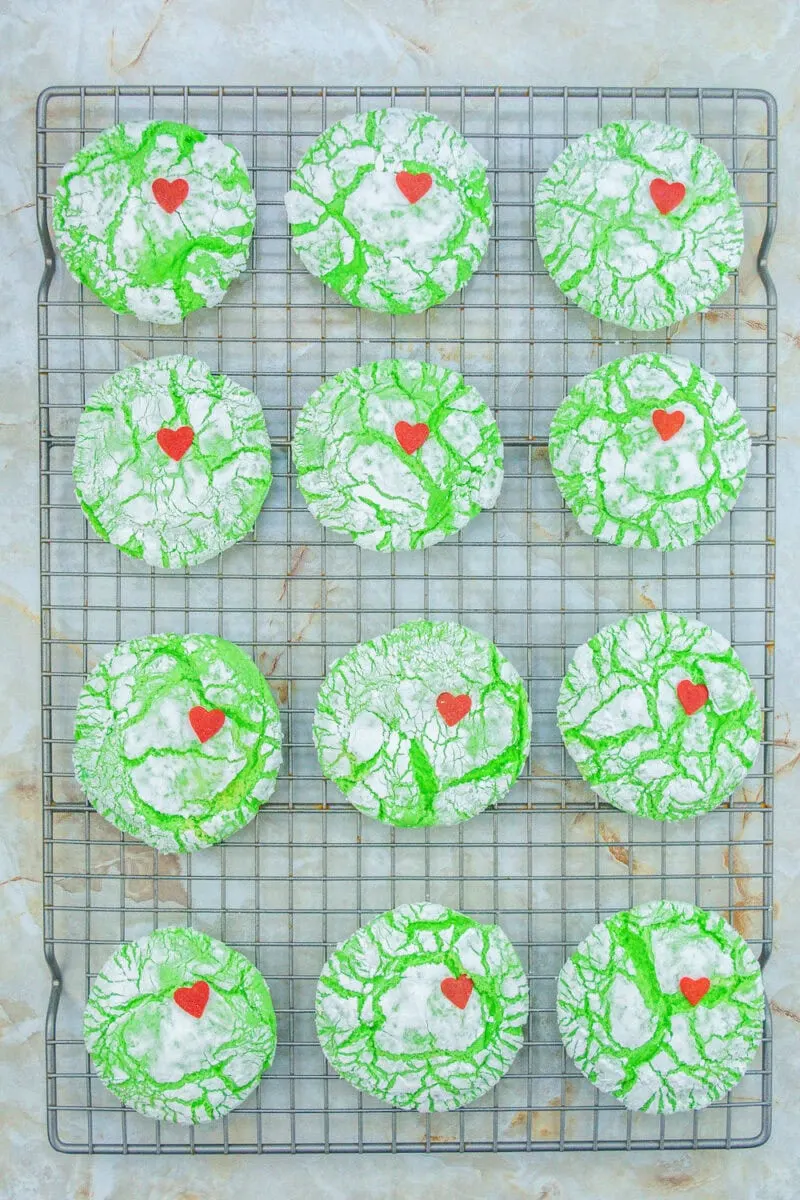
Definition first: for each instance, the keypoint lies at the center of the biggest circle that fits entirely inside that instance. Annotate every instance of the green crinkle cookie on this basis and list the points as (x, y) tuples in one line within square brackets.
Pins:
[(156, 219), (172, 463), (660, 716), (639, 224), (426, 725), (177, 739), (663, 1006), (649, 451), (424, 1008), (398, 454), (391, 209), (179, 1026)]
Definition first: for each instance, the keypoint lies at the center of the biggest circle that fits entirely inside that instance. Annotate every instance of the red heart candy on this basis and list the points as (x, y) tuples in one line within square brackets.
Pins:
[(666, 196), (206, 721), (457, 991), (170, 193), (175, 442), (692, 695), (411, 437), (414, 187), (453, 708), (194, 999), (668, 423), (694, 989)]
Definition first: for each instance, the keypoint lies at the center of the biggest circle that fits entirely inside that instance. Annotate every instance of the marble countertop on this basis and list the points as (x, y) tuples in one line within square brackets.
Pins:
[(676, 42)]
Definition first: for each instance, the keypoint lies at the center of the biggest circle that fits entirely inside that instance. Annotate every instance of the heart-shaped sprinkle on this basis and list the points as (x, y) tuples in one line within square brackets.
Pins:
[(414, 187), (170, 193), (452, 708), (194, 999), (458, 991), (668, 423), (206, 721), (666, 196), (411, 437), (692, 696), (175, 442), (694, 989)]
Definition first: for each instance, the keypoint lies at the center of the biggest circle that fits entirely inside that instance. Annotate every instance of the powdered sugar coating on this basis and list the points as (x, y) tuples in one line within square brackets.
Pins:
[(138, 257), (386, 1025), (622, 720), (158, 1058), (605, 241), (359, 479), (139, 758), (356, 230), (632, 1027), (172, 512), (624, 481)]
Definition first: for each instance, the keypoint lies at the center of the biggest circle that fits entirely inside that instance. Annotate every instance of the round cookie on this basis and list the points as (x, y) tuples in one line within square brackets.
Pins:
[(179, 1026), (649, 451), (427, 725), (660, 716), (424, 1008), (639, 224), (177, 739), (391, 209), (397, 454), (172, 464), (663, 1006), (156, 219)]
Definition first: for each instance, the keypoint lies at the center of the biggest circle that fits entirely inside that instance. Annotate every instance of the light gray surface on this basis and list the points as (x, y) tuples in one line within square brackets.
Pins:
[(712, 43)]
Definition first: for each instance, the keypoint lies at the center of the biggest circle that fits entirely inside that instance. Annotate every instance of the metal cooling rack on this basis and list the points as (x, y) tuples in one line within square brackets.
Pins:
[(550, 861)]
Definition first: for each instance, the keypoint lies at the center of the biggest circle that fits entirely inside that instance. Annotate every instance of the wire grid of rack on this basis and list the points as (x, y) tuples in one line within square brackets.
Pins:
[(550, 860)]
